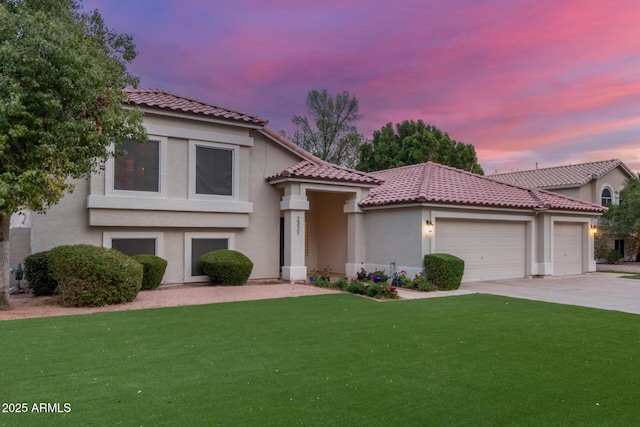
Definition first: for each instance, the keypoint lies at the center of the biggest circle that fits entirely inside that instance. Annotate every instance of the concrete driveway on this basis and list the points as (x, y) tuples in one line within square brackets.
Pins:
[(598, 290)]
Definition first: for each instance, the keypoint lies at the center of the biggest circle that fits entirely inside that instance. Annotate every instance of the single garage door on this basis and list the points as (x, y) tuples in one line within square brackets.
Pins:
[(567, 248), (490, 249)]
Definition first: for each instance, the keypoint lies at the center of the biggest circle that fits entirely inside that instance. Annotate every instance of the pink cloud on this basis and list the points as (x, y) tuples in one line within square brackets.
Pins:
[(502, 75)]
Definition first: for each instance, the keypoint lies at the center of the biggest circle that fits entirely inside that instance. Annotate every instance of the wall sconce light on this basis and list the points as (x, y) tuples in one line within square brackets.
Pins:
[(428, 226), (593, 229)]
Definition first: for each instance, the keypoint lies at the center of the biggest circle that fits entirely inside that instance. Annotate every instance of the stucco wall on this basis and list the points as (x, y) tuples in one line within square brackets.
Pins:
[(394, 235), (254, 231)]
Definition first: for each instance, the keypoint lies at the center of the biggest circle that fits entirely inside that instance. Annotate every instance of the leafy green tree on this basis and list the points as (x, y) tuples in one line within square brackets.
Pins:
[(330, 133), (413, 143), (624, 219), (62, 75)]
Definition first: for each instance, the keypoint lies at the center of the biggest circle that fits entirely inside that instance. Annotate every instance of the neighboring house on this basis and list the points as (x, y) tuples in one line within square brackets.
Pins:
[(212, 178), (595, 182)]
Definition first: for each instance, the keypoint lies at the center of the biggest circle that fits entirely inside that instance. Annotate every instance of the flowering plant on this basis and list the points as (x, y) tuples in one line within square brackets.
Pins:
[(403, 279), (419, 279), (326, 273)]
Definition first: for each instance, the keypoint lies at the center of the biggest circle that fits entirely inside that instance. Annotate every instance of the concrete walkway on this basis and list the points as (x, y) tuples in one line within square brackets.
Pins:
[(598, 290)]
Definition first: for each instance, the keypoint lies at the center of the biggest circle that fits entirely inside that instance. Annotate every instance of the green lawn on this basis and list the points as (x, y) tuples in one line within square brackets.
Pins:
[(625, 274), (328, 360)]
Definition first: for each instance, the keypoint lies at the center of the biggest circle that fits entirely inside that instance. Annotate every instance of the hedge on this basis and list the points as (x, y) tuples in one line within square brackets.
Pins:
[(94, 276), (226, 267), (154, 268), (444, 271), (37, 275)]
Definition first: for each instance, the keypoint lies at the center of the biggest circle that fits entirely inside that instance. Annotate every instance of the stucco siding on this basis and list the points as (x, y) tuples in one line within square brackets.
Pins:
[(252, 220), (260, 241), (394, 235), (66, 223)]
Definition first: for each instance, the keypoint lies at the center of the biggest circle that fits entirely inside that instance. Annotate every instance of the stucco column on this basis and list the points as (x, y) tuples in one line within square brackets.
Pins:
[(294, 207), (355, 238), (543, 257)]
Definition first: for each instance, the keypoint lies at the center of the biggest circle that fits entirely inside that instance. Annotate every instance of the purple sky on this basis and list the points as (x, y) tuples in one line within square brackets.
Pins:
[(547, 81)]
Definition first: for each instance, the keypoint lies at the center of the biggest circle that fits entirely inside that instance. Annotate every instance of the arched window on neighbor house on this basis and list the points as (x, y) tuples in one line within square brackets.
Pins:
[(606, 198)]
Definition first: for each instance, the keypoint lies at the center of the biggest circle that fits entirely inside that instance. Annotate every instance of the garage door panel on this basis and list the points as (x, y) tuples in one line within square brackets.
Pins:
[(568, 241), (490, 249)]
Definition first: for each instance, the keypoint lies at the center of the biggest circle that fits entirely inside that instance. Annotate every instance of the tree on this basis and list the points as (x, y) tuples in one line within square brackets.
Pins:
[(334, 136), (413, 143), (623, 219), (62, 75)]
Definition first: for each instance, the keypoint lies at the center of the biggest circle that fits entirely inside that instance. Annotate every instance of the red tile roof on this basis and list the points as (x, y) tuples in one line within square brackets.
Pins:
[(163, 100), (434, 183), (325, 172), (567, 176)]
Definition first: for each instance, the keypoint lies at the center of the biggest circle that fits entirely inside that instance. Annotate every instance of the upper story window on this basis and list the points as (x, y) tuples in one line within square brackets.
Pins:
[(606, 198), (139, 168), (213, 171)]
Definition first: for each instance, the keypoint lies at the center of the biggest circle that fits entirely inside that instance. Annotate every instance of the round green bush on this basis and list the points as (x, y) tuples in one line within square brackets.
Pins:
[(613, 256), (94, 276), (37, 275), (226, 267), (154, 268)]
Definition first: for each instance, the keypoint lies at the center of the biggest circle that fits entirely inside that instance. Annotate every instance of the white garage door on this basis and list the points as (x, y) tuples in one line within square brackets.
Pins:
[(567, 248), (490, 249)]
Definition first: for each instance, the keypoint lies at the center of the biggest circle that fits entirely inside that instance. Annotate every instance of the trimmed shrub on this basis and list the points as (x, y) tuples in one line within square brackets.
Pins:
[(226, 267), (94, 276), (153, 270), (444, 271), (613, 256), (358, 288), (37, 275)]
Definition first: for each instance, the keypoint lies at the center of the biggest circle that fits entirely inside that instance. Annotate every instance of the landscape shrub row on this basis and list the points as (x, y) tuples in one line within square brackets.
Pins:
[(378, 290), (85, 275), (444, 272)]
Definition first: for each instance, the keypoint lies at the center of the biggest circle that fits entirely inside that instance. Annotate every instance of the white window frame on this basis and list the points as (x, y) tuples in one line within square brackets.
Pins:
[(108, 236), (235, 173), (231, 238), (110, 171)]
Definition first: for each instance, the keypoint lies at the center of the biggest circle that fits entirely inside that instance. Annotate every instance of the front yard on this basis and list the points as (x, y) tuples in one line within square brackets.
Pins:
[(327, 360)]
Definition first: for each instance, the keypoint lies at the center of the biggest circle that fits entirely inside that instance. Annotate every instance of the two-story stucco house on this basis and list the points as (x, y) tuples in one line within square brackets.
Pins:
[(595, 182), (212, 178)]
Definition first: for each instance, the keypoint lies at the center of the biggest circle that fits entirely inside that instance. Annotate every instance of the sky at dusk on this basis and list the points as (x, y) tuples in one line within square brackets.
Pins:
[(550, 82)]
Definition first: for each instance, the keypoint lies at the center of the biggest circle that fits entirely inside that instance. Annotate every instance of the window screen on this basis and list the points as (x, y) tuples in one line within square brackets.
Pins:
[(139, 168), (135, 246), (214, 171), (200, 247)]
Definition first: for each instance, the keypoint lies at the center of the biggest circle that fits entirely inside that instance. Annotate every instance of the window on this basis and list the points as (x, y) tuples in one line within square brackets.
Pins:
[(200, 247), (134, 246), (139, 168), (619, 246), (135, 242), (214, 171), (606, 197)]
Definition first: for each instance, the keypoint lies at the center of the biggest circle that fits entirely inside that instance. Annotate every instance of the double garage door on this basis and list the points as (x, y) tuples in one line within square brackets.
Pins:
[(491, 250), (494, 250)]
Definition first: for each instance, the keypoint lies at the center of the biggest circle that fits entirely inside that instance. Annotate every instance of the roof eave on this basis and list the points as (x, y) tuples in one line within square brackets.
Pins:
[(194, 116), (282, 179)]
